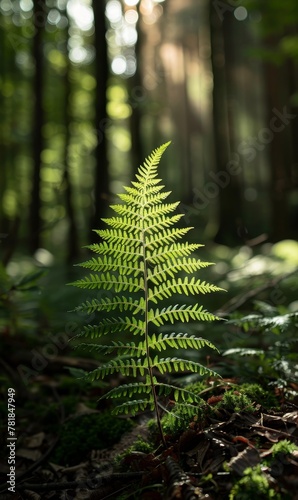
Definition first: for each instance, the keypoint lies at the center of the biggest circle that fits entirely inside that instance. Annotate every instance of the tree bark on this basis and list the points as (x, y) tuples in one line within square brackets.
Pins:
[(38, 121), (72, 240), (229, 194), (101, 176), (278, 154)]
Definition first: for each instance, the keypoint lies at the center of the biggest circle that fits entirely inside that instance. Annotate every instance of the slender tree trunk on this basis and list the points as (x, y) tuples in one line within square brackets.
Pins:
[(101, 178), (135, 86), (228, 192), (38, 120), (72, 243), (278, 153), (5, 119)]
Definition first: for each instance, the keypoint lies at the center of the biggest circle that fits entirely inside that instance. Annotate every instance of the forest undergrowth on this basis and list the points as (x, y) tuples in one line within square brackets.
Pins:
[(243, 440)]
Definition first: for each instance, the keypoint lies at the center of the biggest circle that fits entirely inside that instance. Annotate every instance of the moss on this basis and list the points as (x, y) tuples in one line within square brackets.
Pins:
[(236, 401), (285, 447), (259, 395), (254, 484), (197, 387), (139, 445), (89, 432), (142, 445)]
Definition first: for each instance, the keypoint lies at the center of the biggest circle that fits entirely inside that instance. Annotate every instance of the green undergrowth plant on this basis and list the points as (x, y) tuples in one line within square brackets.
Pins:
[(274, 362), (142, 263)]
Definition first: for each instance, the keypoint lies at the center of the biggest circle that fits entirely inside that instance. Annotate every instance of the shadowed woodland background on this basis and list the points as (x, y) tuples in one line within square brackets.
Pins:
[(89, 88)]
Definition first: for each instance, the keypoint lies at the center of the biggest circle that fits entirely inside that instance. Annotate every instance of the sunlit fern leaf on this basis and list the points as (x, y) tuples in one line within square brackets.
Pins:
[(140, 262), (125, 367), (113, 325), (180, 313), (175, 251), (180, 286), (168, 365), (134, 407), (178, 341), (120, 303), (178, 393), (129, 390), (119, 347)]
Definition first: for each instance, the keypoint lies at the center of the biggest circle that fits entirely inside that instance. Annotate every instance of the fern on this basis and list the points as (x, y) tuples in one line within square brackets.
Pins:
[(140, 254)]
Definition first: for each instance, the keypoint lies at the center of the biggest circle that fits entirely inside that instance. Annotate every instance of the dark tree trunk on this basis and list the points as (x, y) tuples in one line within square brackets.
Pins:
[(72, 243), (136, 90), (293, 208), (5, 119), (101, 177), (38, 120), (228, 187), (279, 150)]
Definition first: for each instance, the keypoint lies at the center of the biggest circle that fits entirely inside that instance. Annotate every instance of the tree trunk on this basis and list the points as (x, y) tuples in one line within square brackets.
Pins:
[(227, 186), (72, 242), (38, 120), (279, 149), (101, 177), (135, 86)]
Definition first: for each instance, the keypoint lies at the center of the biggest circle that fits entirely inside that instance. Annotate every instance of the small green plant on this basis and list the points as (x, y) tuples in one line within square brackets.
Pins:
[(254, 484), (143, 262), (275, 362), (285, 447)]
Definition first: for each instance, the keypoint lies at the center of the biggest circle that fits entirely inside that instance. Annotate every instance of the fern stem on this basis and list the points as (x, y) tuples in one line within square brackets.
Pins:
[(150, 371)]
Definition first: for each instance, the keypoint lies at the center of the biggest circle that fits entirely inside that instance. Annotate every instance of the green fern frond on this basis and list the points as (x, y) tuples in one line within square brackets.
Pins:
[(136, 192), (138, 262), (121, 348), (128, 367), (178, 393), (186, 287), (115, 250), (117, 236), (165, 237), (164, 365), (150, 200), (128, 390), (109, 264), (134, 407), (178, 341), (110, 281), (181, 313), (172, 252), (113, 325), (170, 268), (121, 303)]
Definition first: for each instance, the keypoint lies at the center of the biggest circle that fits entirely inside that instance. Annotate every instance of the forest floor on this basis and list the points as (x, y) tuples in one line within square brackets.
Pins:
[(243, 442), (242, 445)]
